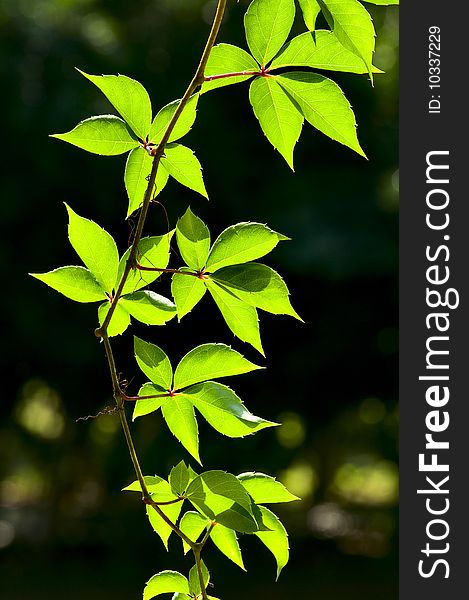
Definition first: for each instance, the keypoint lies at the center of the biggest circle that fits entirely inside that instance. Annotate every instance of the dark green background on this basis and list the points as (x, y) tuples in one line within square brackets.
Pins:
[(65, 529)]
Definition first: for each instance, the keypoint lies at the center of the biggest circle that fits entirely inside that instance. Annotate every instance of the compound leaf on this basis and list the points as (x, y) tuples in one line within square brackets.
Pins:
[(128, 97), (76, 283), (183, 124), (193, 239), (324, 106), (182, 164), (187, 292), (137, 173), (179, 415), (223, 409), (240, 317), (264, 489), (311, 10), (279, 117), (96, 248), (276, 540), (352, 24), (154, 363), (149, 308), (164, 582), (319, 50), (257, 285), (106, 135), (120, 319), (217, 491), (210, 361), (192, 524), (227, 542), (242, 243), (267, 24), (152, 252), (225, 58), (148, 405)]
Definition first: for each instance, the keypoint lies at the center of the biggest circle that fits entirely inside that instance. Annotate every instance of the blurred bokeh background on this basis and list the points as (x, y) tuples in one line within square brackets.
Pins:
[(66, 531)]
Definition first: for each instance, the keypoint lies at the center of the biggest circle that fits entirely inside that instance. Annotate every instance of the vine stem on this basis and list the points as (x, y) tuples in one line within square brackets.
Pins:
[(102, 332), (198, 561)]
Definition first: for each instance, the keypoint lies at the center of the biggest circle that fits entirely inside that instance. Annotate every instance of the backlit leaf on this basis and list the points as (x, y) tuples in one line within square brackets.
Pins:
[(275, 540), (194, 582), (152, 252), (149, 405), (106, 135), (193, 239), (137, 173), (264, 489), (128, 97), (257, 285), (179, 478), (192, 524), (158, 488), (120, 319), (218, 491), (226, 541), (225, 58), (160, 527), (319, 50), (240, 317), (164, 582), (225, 412), (76, 283), (179, 415), (352, 24), (149, 308), (323, 105), (154, 363), (311, 10), (210, 361), (279, 117), (181, 163), (96, 248), (242, 243), (183, 124), (187, 291), (267, 24)]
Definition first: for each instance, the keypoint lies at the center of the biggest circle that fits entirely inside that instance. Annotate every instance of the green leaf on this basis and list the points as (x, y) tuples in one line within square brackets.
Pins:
[(96, 248), (160, 527), (187, 292), (225, 58), (75, 283), (226, 541), (137, 173), (192, 524), (120, 319), (324, 106), (264, 489), (106, 135), (183, 124), (158, 488), (311, 10), (193, 238), (152, 252), (179, 478), (194, 582), (352, 24), (279, 117), (210, 361), (154, 363), (128, 97), (166, 581), (275, 540), (179, 415), (242, 243), (149, 308), (319, 50), (257, 285), (225, 412), (267, 24), (181, 163), (240, 317), (216, 492), (149, 405)]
